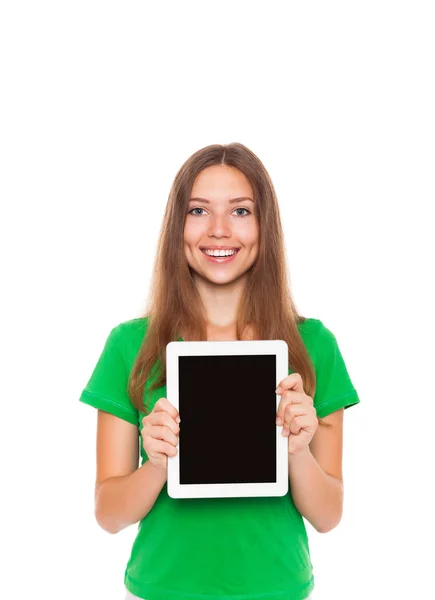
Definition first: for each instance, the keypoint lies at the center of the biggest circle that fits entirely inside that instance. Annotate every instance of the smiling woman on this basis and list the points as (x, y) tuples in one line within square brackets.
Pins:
[(220, 274)]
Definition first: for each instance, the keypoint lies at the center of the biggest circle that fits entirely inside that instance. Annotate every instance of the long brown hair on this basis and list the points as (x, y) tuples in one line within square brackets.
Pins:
[(174, 303)]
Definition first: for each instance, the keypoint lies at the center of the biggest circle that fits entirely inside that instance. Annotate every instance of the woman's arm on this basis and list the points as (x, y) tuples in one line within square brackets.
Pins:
[(316, 478), (124, 493)]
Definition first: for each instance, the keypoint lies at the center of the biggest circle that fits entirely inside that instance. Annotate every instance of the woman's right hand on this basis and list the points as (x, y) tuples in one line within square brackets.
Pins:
[(160, 433)]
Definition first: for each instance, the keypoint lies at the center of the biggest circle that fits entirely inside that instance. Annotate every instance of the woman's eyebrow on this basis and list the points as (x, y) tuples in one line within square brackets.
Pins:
[(229, 201)]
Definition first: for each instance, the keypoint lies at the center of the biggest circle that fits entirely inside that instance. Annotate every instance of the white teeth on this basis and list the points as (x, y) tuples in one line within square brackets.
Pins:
[(220, 252)]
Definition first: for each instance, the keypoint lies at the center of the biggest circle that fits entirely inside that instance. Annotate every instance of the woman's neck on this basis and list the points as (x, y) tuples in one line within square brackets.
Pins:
[(222, 334), (221, 303), (218, 333)]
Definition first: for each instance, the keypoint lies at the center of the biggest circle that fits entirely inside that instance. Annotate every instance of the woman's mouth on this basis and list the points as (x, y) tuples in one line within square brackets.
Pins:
[(221, 259)]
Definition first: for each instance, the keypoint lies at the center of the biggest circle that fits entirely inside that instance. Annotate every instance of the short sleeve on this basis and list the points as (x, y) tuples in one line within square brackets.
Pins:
[(107, 386), (334, 388)]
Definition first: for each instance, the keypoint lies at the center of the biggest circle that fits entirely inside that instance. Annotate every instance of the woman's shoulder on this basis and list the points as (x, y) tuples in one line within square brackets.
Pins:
[(130, 327), (129, 335), (309, 324), (315, 333)]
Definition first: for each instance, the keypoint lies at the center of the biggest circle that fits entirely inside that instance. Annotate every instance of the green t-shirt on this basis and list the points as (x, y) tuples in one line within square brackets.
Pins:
[(217, 548)]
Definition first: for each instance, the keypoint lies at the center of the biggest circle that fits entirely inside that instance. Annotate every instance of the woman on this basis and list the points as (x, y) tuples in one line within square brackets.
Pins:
[(222, 202)]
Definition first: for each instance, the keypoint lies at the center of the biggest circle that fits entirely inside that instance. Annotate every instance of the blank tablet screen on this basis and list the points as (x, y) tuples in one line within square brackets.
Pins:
[(227, 405)]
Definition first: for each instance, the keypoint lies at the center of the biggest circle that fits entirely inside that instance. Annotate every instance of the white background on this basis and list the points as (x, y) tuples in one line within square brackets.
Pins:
[(101, 103)]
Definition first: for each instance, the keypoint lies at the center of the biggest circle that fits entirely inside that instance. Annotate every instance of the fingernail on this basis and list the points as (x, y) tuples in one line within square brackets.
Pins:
[(278, 390), (279, 421), (178, 419), (284, 431)]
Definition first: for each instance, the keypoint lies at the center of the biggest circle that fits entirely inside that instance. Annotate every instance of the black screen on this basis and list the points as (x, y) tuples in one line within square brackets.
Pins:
[(227, 406)]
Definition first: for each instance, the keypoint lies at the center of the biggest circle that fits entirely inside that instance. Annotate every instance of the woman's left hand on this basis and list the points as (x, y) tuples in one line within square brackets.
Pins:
[(297, 413)]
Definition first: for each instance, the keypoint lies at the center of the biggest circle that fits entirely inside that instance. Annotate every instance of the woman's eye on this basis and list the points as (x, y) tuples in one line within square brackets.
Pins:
[(243, 209), (198, 208)]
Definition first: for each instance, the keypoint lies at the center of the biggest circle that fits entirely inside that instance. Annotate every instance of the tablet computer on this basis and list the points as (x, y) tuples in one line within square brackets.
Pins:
[(229, 443)]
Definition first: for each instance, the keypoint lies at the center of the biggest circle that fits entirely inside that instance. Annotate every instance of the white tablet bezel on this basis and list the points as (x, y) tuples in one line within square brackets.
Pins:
[(278, 348)]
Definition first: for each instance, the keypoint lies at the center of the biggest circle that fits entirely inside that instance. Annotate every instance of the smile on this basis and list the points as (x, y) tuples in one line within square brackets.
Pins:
[(221, 259)]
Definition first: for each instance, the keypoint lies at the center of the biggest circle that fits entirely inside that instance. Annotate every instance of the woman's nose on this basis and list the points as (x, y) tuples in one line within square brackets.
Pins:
[(220, 223)]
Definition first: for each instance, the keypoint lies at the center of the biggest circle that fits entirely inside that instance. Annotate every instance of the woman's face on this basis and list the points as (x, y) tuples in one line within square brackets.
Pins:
[(214, 221)]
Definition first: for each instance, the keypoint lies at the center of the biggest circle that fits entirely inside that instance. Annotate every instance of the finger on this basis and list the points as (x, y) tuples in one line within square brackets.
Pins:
[(162, 447), (298, 423), (292, 411), (163, 404), (301, 422), (291, 382), (287, 397), (162, 418), (163, 432)]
